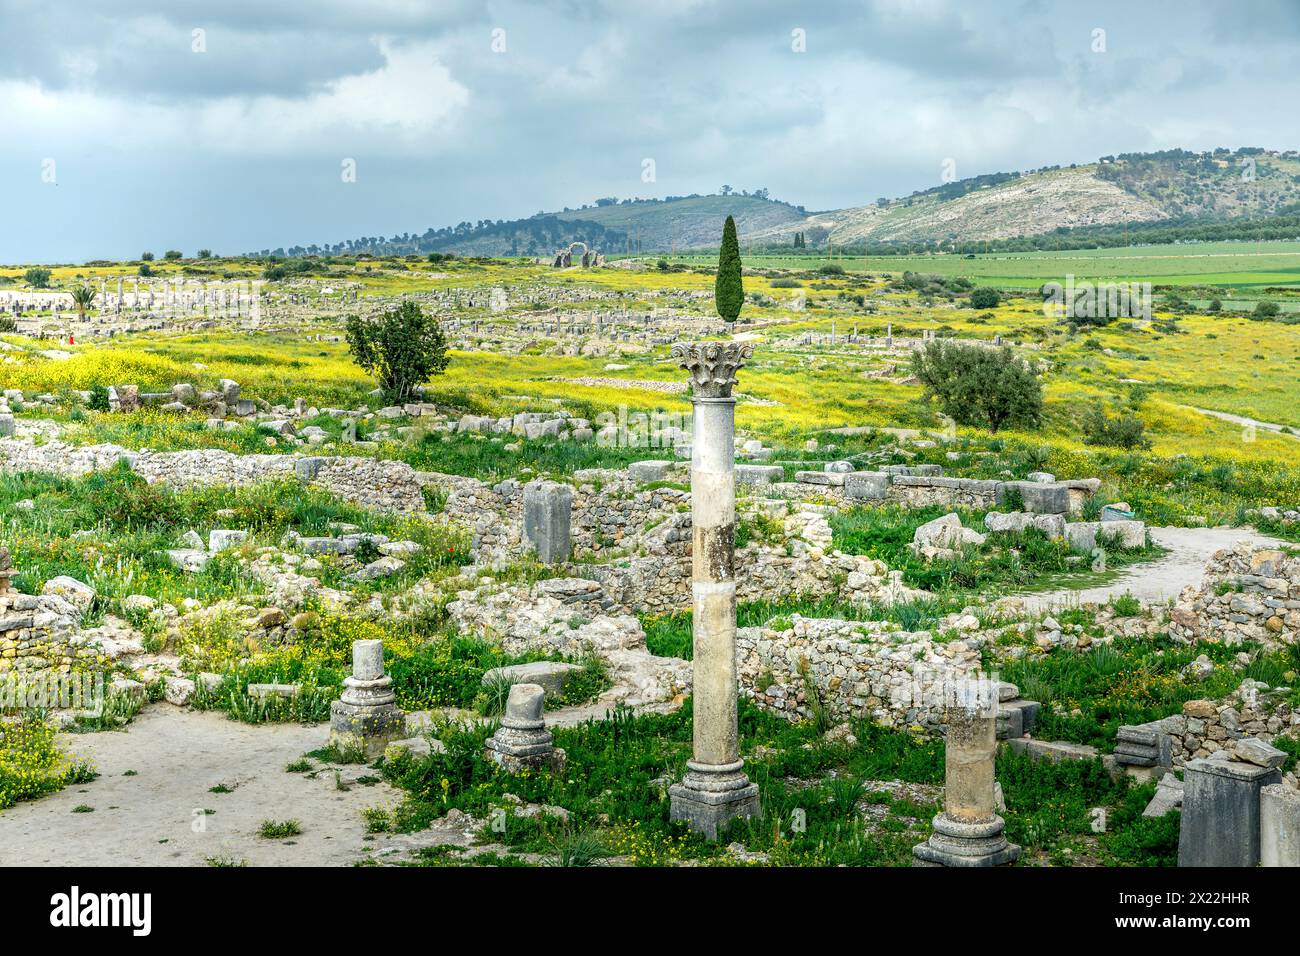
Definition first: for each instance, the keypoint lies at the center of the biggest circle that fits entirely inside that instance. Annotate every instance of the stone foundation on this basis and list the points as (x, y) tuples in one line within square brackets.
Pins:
[(1249, 594), (368, 482)]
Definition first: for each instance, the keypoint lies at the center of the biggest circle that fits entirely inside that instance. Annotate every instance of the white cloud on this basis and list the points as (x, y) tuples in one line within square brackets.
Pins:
[(410, 102)]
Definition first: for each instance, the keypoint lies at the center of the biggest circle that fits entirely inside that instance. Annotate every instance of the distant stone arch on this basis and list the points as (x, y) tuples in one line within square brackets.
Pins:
[(589, 257)]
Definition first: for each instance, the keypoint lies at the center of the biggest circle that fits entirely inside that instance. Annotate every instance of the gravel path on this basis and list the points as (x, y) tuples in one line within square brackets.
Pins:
[(146, 819), (1156, 582), (1243, 420)]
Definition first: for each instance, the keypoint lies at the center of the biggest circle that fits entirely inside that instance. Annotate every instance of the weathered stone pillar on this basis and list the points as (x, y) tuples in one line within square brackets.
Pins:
[(548, 513), (366, 714), (1221, 804), (969, 831), (1279, 826), (715, 789)]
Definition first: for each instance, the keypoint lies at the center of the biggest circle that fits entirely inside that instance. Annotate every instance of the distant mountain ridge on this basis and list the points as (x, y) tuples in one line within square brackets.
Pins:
[(1176, 186)]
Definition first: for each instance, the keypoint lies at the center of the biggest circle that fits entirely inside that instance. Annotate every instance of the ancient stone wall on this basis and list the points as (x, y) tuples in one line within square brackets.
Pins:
[(39, 632), (1249, 594), (610, 513), (856, 669), (371, 483), (1203, 728)]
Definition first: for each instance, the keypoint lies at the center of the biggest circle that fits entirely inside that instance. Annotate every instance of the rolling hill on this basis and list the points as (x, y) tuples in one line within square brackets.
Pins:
[(1186, 189)]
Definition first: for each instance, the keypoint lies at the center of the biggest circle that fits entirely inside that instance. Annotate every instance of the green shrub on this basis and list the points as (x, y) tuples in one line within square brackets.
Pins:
[(1123, 431), (403, 348), (975, 385)]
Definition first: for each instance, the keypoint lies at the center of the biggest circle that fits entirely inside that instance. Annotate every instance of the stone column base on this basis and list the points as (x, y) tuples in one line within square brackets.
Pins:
[(516, 749), (368, 728), (958, 843), (710, 797)]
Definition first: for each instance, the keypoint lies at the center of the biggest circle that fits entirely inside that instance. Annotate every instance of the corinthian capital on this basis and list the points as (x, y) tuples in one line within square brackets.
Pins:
[(712, 365)]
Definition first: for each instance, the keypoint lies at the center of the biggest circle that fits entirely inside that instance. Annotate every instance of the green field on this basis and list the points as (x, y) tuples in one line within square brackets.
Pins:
[(1233, 265)]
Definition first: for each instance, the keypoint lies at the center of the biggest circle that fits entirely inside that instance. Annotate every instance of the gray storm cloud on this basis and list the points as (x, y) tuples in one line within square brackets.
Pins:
[(238, 146)]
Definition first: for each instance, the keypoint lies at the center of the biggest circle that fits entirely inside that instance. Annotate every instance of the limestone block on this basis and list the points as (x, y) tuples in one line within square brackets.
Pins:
[(1221, 812), (867, 485), (1279, 826)]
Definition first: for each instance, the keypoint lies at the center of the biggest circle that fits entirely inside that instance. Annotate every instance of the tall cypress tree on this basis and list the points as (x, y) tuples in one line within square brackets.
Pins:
[(728, 292)]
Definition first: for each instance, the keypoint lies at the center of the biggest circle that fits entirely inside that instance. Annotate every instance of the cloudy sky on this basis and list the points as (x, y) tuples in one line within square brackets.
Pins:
[(158, 124)]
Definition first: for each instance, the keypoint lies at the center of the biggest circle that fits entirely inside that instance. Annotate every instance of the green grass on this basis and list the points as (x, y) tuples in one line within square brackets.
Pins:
[(110, 529), (614, 789), (1006, 561), (1131, 681), (279, 829), (1226, 264)]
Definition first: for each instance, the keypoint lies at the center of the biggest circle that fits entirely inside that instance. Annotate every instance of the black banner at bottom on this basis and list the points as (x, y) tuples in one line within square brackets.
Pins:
[(269, 904)]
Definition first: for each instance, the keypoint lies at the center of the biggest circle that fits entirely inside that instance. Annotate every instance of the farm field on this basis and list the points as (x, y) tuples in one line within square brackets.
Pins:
[(1229, 265)]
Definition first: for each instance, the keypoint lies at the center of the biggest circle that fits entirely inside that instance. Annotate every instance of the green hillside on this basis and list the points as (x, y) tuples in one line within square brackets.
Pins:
[(692, 222), (1178, 191)]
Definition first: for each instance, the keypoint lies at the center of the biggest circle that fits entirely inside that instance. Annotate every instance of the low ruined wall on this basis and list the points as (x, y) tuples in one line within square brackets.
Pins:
[(1249, 594), (610, 512), (1205, 727), (371, 483), (857, 670), (38, 632), (659, 580), (921, 491), (571, 617), (897, 485)]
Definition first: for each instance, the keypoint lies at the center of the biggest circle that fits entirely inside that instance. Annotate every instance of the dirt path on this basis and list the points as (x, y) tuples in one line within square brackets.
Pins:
[(146, 819), (1244, 421), (1156, 582)]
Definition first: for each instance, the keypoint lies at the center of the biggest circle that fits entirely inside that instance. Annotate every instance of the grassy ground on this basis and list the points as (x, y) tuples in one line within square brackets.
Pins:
[(1088, 695), (110, 530), (1229, 264), (824, 803)]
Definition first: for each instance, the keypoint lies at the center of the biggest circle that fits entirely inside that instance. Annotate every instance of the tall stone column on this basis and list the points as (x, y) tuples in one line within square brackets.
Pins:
[(715, 789), (969, 831)]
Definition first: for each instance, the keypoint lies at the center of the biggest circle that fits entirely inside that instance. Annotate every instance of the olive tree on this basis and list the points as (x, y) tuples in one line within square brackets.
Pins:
[(402, 347), (976, 385)]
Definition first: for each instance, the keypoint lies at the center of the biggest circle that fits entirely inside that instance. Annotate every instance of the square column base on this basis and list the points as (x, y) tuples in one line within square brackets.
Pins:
[(958, 843), (708, 805)]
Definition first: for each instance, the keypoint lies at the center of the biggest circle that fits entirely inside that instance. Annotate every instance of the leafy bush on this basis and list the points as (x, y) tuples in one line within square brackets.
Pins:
[(1123, 431), (31, 764), (985, 297), (980, 386), (98, 400)]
